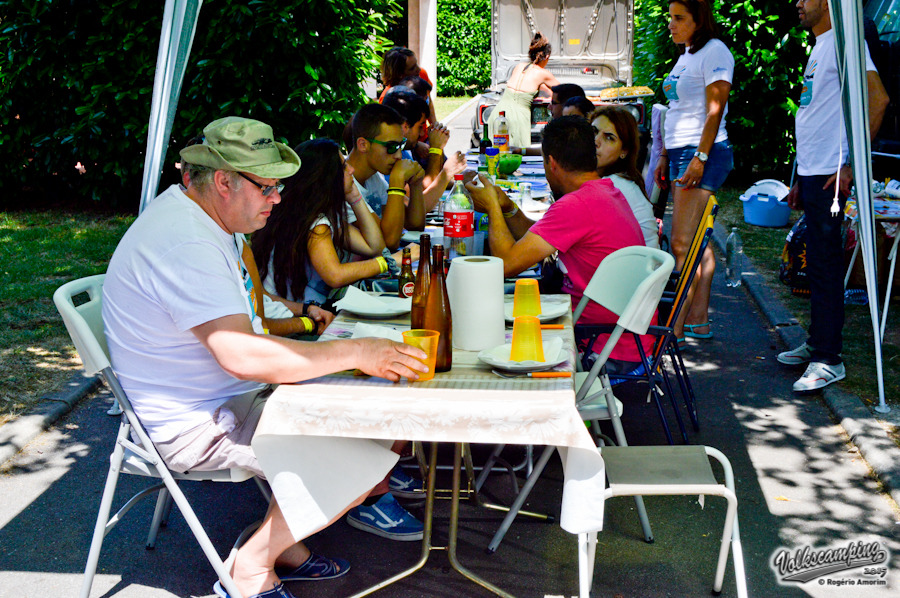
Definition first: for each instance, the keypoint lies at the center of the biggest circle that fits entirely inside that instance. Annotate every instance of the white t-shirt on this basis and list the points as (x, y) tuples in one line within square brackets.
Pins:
[(374, 192), (820, 131), (174, 269), (642, 208), (685, 88)]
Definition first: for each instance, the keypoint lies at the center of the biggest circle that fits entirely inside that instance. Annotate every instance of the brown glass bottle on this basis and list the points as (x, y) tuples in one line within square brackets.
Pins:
[(407, 281), (437, 312), (423, 279)]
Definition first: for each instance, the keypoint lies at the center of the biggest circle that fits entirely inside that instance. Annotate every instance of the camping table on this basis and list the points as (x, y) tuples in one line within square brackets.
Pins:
[(468, 404), (891, 216)]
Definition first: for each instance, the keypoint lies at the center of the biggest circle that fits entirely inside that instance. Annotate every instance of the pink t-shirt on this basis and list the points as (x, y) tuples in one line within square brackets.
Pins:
[(585, 226)]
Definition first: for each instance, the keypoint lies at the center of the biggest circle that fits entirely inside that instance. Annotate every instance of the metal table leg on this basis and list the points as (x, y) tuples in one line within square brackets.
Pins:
[(429, 522), (426, 532)]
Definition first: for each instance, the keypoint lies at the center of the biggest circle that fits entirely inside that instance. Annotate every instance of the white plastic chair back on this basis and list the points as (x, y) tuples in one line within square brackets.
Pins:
[(629, 283), (85, 322)]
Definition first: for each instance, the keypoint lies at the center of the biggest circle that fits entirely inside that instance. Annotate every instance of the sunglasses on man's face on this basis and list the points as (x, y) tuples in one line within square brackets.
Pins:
[(266, 189), (391, 147)]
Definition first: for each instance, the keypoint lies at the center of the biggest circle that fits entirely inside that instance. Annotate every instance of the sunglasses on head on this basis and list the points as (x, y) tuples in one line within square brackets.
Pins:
[(266, 189), (391, 147)]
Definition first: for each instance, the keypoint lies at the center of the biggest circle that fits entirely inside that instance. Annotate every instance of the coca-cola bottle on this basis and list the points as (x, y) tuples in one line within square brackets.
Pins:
[(406, 283), (423, 279), (459, 221), (437, 312)]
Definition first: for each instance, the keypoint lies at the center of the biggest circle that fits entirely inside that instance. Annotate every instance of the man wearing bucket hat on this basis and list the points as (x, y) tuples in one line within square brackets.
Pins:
[(819, 150), (187, 343)]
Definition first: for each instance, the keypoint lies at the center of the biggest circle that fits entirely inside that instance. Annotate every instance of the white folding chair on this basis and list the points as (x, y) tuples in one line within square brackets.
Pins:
[(84, 323), (629, 283), (667, 471)]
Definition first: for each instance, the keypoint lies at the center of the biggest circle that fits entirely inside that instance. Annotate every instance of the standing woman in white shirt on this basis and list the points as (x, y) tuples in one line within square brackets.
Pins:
[(698, 155)]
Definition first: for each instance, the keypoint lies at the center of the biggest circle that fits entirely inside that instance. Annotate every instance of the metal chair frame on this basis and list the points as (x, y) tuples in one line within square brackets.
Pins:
[(138, 456)]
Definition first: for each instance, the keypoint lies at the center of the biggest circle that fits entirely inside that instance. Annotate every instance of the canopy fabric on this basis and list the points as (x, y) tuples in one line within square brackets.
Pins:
[(847, 21), (175, 40)]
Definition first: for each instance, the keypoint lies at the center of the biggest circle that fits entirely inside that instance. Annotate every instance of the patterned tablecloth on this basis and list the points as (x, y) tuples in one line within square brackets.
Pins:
[(323, 442)]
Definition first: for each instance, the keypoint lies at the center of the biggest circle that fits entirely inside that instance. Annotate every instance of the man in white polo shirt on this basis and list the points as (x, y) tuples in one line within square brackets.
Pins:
[(823, 183), (186, 339)]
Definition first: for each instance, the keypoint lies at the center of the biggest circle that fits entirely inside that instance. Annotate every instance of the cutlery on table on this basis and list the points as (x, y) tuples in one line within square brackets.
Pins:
[(533, 374)]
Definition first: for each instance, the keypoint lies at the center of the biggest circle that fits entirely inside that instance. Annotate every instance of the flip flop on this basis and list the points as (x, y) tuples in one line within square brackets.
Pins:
[(278, 591), (689, 331), (316, 568)]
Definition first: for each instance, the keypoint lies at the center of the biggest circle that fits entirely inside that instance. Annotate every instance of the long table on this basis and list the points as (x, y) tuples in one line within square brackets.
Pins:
[(348, 422)]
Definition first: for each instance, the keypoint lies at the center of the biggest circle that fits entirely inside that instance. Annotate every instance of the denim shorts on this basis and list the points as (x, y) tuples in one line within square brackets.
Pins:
[(719, 164)]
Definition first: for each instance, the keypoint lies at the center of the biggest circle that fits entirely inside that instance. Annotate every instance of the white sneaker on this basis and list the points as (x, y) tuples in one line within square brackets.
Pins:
[(798, 356), (819, 375)]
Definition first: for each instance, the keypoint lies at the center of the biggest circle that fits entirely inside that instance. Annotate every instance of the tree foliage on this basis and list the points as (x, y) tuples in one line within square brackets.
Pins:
[(77, 76), (463, 46), (769, 50)]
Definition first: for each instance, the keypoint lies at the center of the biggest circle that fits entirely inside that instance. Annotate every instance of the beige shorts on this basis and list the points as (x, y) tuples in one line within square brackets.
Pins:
[(224, 441)]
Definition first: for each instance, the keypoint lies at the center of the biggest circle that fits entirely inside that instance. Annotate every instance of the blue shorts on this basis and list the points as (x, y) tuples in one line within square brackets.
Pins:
[(719, 164)]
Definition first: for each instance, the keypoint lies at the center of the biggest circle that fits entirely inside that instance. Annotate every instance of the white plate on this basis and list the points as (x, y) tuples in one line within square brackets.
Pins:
[(550, 308), (381, 314), (367, 306), (412, 236), (498, 357)]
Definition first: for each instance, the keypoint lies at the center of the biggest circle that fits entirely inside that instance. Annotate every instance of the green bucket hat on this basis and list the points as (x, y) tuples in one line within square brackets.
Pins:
[(243, 145)]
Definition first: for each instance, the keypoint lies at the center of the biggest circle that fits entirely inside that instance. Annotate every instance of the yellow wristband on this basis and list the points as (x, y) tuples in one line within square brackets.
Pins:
[(435, 150), (512, 213), (308, 324), (397, 192), (382, 263)]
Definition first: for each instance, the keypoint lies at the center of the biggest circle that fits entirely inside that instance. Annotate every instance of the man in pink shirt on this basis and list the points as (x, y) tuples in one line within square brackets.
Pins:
[(590, 220)]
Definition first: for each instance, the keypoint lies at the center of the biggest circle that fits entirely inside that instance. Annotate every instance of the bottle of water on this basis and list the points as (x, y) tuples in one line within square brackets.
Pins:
[(734, 258)]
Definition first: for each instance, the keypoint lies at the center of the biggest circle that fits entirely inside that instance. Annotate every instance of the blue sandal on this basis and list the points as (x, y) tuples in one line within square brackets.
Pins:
[(278, 591), (689, 331), (316, 568)]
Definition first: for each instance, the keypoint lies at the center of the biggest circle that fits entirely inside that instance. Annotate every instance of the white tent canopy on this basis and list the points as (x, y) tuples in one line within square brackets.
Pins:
[(847, 21)]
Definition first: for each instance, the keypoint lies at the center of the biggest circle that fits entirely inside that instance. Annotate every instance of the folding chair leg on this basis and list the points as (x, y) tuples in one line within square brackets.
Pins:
[(199, 533), (160, 516), (520, 499), (109, 491), (662, 413), (678, 418), (620, 438), (737, 551), (687, 389), (587, 552)]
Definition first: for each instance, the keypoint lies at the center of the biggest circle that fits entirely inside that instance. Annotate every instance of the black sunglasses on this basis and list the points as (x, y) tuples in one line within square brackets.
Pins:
[(391, 147), (266, 189)]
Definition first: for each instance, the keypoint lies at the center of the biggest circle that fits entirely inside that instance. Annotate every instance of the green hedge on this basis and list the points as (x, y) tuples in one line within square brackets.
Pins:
[(463, 46), (77, 77), (769, 50)]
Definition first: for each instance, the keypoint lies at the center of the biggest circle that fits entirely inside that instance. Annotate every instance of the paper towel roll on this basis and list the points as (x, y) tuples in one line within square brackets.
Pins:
[(475, 286)]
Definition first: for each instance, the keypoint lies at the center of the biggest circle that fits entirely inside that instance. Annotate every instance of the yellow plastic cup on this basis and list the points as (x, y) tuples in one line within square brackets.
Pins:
[(527, 344), (427, 340), (527, 299)]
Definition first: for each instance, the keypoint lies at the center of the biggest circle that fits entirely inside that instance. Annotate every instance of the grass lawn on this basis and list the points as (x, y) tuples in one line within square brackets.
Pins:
[(41, 251), (444, 106), (763, 247)]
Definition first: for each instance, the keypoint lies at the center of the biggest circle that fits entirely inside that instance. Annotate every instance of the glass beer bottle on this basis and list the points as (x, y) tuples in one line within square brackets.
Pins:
[(423, 279), (437, 312), (407, 281)]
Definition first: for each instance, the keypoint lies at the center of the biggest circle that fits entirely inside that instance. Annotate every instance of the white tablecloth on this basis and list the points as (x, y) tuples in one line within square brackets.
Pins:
[(318, 444)]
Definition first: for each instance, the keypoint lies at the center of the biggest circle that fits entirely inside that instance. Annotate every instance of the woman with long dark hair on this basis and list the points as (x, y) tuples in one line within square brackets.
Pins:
[(303, 252), (618, 144), (525, 81), (697, 155)]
